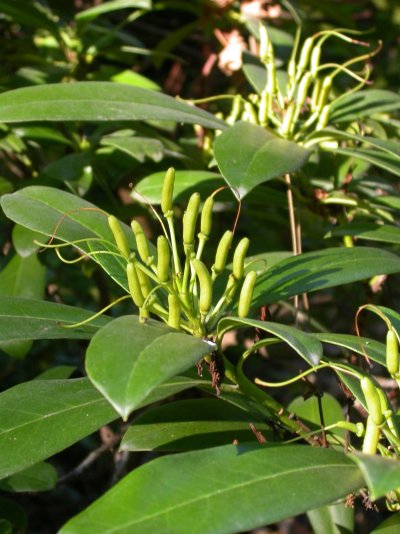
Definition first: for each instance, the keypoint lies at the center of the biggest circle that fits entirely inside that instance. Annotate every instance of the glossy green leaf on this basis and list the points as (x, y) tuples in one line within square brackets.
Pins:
[(31, 14), (373, 232), (92, 13), (391, 525), (393, 316), (127, 359), (22, 277), (304, 344), (59, 372), (248, 155), (384, 160), (68, 168), (245, 487), (322, 269), (186, 182), (23, 240), (43, 417), (97, 102), (191, 424), (38, 477), (255, 71), (308, 410), (381, 474), (138, 148), (37, 319), (375, 350), (363, 104), (333, 519)]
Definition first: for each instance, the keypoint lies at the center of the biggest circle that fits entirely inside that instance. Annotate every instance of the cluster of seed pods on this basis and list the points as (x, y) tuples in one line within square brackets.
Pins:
[(176, 285)]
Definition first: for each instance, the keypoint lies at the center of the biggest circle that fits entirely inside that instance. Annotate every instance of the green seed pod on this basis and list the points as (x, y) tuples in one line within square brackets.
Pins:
[(206, 217), (371, 438), (190, 219), (392, 352), (174, 311), (325, 92), (315, 59), (315, 94), (288, 120), (323, 118), (246, 294), (305, 54), (263, 108), (265, 43), (134, 285), (168, 191), (239, 256), (205, 298), (144, 282), (222, 253), (163, 258), (372, 400), (304, 85), (141, 241), (119, 236)]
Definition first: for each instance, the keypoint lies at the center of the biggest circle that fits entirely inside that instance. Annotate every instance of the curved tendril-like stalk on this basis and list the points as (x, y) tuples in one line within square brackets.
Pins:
[(67, 214), (341, 68), (364, 81), (94, 316), (323, 365), (155, 213), (72, 243), (339, 32), (314, 432), (364, 57), (210, 99), (86, 255)]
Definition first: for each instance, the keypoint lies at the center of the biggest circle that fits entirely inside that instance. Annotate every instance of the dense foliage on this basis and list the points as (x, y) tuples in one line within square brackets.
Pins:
[(199, 319)]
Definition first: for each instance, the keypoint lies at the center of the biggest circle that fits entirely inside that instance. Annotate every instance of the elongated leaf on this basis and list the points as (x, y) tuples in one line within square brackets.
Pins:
[(23, 240), (30, 14), (375, 350), (373, 232), (107, 7), (139, 148), (380, 474), (384, 160), (97, 102), (22, 277), (245, 487), (126, 359), (43, 417), (248, 155), (333, 519), (393, 316), (363, 104), (37, 319), (186, 182), (38, 477), (389, 526), (308, 410), (321, 269), (191, 424), (304, 344)]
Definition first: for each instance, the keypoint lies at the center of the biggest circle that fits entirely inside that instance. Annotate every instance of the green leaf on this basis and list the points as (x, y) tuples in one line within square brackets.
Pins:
[(304, 344), (380, 159), (98, 102), (363, 104), (186, 182), (389, 526), (139, 148), (191, 424), (40, 418), (308, 410), (37, 319), (68, 168), (255, 71), (248, 155), (245, 487), (374, 232), (381, 474), (38, 477), (376, 351), (12, 513), (313, 271), (333, 519), (393, 316), (22, 277), (23, 240), (56, 373), (126, 359), (30, 14), (92, 13)]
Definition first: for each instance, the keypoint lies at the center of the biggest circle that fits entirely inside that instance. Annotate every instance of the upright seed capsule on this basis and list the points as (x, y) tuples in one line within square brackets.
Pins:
[(371, 437), (246, 294), (163, 258), (304, 85), (222, 252), (190, 219), (168, 191), (323, 118), (144, 282), (264, 52), (134, 285), (174, 311), (372, 400), (239, 256), (205, 298), (141, 241), (325, 92), (119, 236), (392, 352), (305, 54), (206, 217), (315, 59)]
